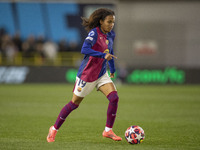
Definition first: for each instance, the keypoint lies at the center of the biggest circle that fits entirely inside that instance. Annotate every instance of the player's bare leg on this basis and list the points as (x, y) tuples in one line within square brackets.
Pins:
[(76, 99)]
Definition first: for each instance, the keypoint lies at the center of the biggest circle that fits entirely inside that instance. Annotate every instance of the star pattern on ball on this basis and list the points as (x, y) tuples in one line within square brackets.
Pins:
[(139, 137), (134, 135), (129, 139)]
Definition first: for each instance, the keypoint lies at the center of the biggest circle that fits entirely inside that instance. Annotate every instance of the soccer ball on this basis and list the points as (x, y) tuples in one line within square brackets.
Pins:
[(134, 135)]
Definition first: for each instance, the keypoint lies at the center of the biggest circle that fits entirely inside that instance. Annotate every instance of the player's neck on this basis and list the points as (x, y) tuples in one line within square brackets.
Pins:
[(104, 32)]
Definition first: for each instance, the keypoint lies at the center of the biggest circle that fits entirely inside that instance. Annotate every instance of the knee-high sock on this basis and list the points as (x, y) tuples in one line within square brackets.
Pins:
[(112, 108), (66, 110)]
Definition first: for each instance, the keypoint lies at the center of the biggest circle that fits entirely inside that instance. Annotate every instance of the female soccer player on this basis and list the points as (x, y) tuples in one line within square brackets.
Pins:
[(98, 50)]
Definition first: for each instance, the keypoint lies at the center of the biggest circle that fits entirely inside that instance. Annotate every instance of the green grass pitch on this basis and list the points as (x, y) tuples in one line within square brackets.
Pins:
[(169, 115)]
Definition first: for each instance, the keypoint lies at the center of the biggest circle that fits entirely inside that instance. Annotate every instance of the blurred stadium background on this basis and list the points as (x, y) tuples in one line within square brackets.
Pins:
[(157, 42)]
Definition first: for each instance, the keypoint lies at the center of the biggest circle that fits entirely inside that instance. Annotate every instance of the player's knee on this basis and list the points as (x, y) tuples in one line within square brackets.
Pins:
[(76, 99), (113, 97)]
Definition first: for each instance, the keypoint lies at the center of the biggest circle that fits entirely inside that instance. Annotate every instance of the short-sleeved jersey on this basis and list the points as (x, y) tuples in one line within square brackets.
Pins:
[(95, 47)]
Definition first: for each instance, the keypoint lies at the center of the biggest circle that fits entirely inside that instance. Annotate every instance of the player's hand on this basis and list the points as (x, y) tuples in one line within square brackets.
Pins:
[(109, 56), (112, 75)]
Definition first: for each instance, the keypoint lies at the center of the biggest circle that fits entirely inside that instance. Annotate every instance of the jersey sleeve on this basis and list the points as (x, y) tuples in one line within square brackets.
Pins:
[(111, 63), (88, 43)]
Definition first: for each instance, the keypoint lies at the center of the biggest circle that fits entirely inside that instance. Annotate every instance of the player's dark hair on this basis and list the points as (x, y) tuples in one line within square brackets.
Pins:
[(94, 19)]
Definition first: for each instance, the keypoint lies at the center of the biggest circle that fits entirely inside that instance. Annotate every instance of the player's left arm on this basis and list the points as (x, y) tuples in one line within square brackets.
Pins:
[(111, 64)]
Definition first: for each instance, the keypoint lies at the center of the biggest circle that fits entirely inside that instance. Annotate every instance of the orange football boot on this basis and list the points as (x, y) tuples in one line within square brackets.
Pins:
[(112, 135), (52, 134)]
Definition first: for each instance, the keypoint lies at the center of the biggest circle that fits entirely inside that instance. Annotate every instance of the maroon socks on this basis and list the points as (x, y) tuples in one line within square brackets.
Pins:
[(112, 108), (111, 112), (66, 110)]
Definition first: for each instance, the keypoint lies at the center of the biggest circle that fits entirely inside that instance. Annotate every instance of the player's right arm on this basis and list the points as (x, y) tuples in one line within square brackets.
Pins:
[(110, 56), (89, 42)]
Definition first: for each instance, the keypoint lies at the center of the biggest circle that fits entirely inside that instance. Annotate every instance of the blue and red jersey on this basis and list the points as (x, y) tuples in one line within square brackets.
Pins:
[(95, 47)]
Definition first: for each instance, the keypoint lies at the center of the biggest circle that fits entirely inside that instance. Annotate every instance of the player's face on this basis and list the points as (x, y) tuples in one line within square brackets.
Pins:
[(107, 24)]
